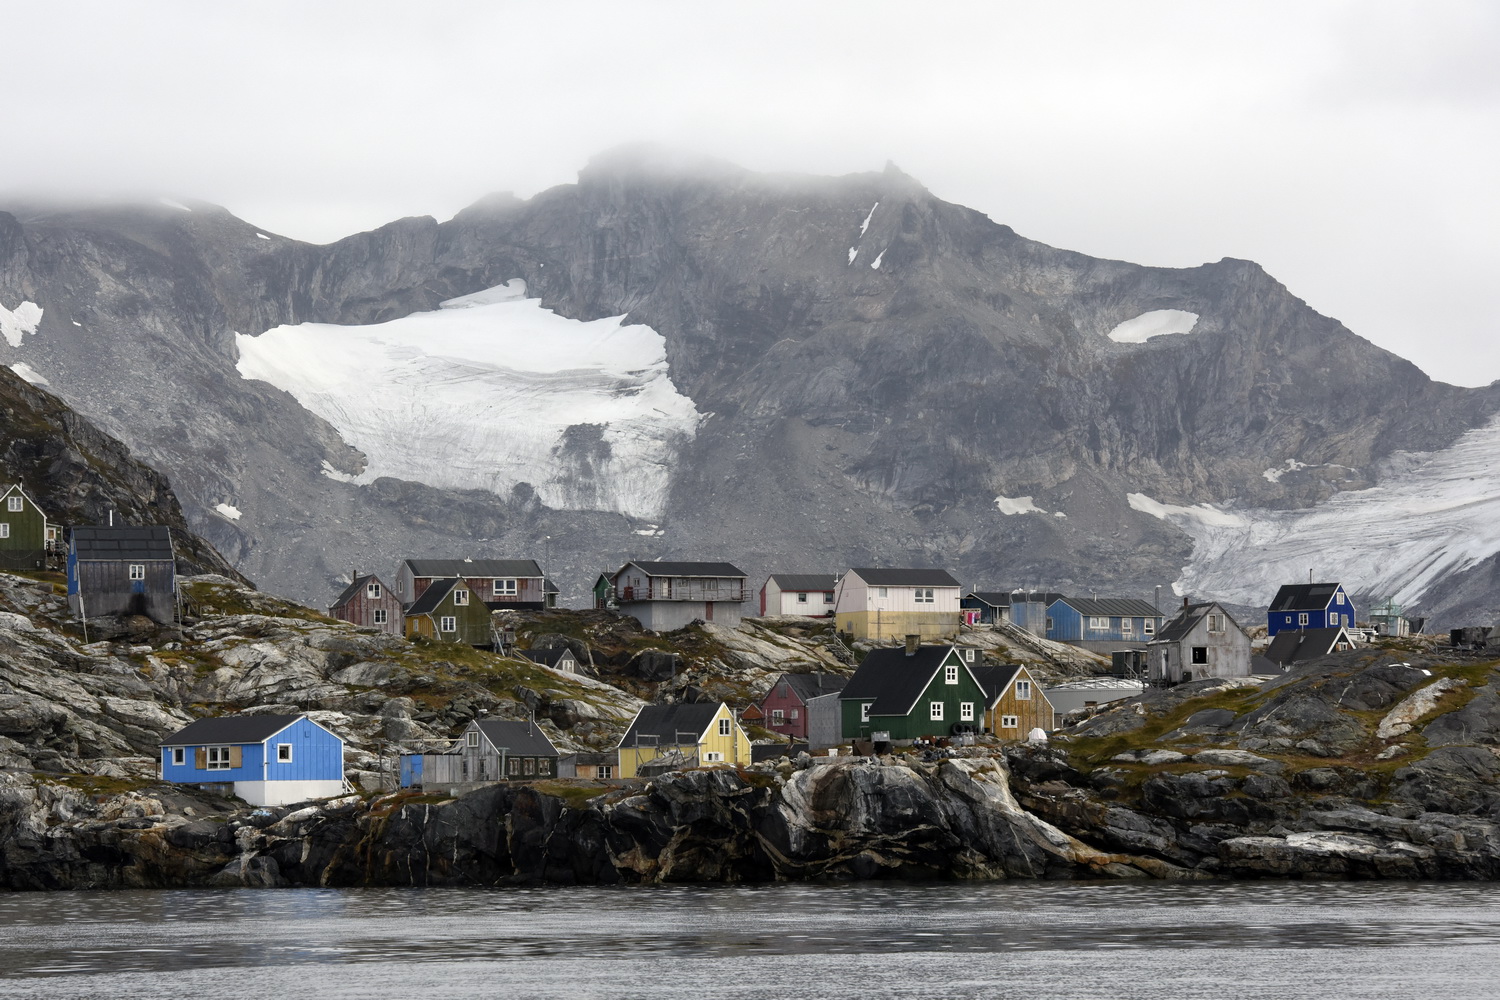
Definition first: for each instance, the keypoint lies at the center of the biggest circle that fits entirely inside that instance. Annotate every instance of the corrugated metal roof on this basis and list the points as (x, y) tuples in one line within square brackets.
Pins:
[(519, 737), (518, 568), (1303, 596), (906, 577), (1123, 607), (143, 544), (230, 729), (664, 722), (805, 581), (687, 568)]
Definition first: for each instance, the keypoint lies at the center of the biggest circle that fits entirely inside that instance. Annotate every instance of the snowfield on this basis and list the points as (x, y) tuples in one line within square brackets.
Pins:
[(1157, 323), (1434, 514), (489, 391), (1017, 505), (17, 324), (29, 373)]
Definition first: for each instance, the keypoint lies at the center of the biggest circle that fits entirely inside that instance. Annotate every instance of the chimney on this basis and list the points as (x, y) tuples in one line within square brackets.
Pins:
[(1184, 602), (912, 642)]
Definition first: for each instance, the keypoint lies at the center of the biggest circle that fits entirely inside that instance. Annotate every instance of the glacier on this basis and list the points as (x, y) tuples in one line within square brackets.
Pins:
[(1433, 514), (489, 391)]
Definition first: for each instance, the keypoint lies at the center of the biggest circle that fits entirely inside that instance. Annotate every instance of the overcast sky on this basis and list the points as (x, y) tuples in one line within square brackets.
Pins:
[(1349, 147)]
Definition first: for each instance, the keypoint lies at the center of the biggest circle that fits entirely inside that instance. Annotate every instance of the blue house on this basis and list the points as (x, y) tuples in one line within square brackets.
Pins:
[(1112, 619), (1310, 605), (267, 760)]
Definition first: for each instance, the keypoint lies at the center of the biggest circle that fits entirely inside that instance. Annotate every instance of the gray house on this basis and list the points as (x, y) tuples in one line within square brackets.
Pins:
[(1202, 641), (122, 571)]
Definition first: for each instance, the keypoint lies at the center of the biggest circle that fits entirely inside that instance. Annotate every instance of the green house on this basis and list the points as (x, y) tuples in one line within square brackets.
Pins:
[(448, 610), (913, 691), (23, 531)]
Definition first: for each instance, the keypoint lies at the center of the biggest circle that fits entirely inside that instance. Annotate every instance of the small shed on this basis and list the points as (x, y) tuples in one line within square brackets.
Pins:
[(122, 571), (369, 602), (267, 760), (23, 531)]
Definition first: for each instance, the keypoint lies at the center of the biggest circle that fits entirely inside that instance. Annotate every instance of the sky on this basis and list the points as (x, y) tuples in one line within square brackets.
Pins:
[(1350, 148)]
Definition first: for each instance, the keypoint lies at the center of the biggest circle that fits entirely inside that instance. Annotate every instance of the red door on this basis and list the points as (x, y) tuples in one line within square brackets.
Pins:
[(708, 611)]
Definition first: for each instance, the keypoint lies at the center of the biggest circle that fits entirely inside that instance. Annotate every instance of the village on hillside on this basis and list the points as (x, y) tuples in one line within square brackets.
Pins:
[(926, 664)]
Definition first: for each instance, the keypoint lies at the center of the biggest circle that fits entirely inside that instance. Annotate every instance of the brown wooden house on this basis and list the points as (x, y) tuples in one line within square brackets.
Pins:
[(369, 602), (1014, 701), (501, 584)]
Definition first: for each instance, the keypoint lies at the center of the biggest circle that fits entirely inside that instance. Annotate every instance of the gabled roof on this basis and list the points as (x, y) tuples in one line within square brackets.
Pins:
[(1303, 597), (893, 681), (432, 596), (547, 657), (994, 598), (519, 737), (1305, 644), (474, 567), (806, 686), (230, 729), (145, 544), (654, 569), (1034, 596), (16, 488), (1187, 619), (906, 577), (664, 722), (1123, 607), (994, 679), (805, 581), (355, 586)]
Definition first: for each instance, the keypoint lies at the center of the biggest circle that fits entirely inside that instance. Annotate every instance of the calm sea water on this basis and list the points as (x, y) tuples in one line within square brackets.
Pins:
[(1012, 940)]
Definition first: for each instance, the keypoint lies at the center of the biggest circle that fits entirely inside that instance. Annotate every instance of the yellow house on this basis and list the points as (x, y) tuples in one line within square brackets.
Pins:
[(880, 604), (695, 735)]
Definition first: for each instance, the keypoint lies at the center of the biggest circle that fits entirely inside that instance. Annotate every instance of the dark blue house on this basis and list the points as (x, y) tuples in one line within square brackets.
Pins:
[(267, 760), (1111, 619), (1310, 605)]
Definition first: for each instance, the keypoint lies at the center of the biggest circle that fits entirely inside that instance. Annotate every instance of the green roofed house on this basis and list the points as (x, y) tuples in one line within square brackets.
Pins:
[(912, 691), (23, 531)]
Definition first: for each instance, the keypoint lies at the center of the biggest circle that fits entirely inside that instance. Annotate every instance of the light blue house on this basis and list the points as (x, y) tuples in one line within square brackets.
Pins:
[(1112, 619), (267, 760)]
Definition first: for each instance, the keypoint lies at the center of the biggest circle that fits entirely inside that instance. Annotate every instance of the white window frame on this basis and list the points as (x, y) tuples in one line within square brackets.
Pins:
[(794, 715), (179, 756), (447, 623), (827, 597), (4, 529), (460, 598), (864, 711), (1302, 618), (966, 711), (216, 758), (604, 770), (1023, 690), (504, 588), (1127, 626), (935, 711), (1098, 623), (1010, 722), (712, 757), (778, 717), (950, 674), (14, 504), (283, 753), (137, 571), (378, 616), (1148, 626), (801, 597), (725, 727), (882, 592), (1216, 623), (1337, 598), (923, 595), (471, 739), (969, 655), (373, 591)]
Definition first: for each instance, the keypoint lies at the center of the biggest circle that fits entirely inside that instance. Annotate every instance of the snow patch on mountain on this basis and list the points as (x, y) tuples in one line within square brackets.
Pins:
[(1156, 323), (29, 373), (1017, 505), (172, 203), (1433, 515), (490, 391), (16, 324), (878, 258), (866, 224), (228, 510)]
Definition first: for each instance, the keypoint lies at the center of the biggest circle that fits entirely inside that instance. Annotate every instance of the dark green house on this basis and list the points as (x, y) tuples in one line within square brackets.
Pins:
[(912, 691), (450, 611), (23, 531)]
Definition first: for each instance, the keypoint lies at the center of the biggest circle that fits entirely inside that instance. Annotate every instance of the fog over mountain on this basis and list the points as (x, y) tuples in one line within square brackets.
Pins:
[(678, 357)]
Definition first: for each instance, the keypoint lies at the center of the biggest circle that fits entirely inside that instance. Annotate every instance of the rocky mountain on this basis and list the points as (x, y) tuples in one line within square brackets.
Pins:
[(810, 373)]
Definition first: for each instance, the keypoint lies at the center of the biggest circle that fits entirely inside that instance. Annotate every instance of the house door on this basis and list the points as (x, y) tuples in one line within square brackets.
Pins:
[(708, 611)]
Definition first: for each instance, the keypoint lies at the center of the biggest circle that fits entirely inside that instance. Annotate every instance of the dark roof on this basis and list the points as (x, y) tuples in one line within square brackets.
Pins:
[(548, 587), (687, 568), (230, 729), (432, 596), (666, 721), (474, 567), (1187, 619), (547, 657), (994, 679), (355, 587), (142, 543), (1034, 596), (893, 681), (1303, 644), (994, 598), (1303, 596), (519, 737), (807, 686), (806, 581), (1124, 607), (906, 577)]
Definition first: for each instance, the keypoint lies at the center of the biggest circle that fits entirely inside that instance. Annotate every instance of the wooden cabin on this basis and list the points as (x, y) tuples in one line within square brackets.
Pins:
[(910, 692), (448, 611), (784, 708), (501, 584), (369, 602), (663, 737), (1014, 704), (122, 571), (1202, 641), (668, 595), (1309, 606), (809, 594), (24, 531)]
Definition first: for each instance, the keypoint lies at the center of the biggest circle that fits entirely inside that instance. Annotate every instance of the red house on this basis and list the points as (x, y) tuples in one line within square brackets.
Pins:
[(367, 601), (785, 705)]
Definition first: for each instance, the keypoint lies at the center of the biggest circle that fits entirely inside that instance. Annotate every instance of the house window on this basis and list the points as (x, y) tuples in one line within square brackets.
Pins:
[(460, 598), (794, 715), (1010, 721), (1049, 623), (505, 588), (448, 624), (603, 771), (4, 529), (712, 756), (881, 592), (969, 655), (1023, 690), (471, 739), (710, 584), (179, 756), (1216, 623), (1288, 619), (528, 766), (138, 571), (778, 717), (1099, 624), (515, 765), (1337, 598), (1302, 618), (966, 711), (13, 504), (283, 753), (935, 711), (950, 675), (724, 725), (377, 617), (924, 595), (1200, 654), (801, 598), (543, 766), (828, 598), (218, 758), (1148, 626), (373, 591), (864, 711), (1127, 626)]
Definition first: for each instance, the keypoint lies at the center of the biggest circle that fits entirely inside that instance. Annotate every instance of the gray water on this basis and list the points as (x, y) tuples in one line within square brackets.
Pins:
[(1013, 940)]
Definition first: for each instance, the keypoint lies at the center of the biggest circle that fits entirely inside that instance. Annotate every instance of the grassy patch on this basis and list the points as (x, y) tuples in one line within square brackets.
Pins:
[(94, 784), (1094, 750), (221, 599), (576, 793)]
